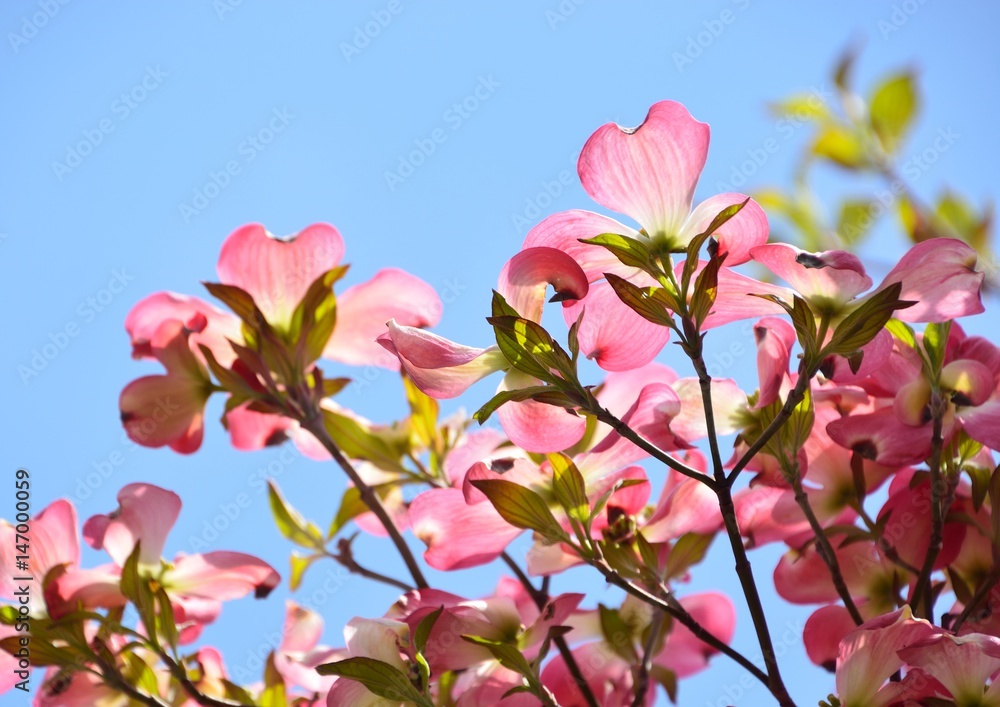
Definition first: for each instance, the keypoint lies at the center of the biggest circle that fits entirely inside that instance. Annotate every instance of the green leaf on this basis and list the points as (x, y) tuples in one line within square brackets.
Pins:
[(617, 634), (357, 442), (650, 303), (239, 301), (688, 551), (521, 507), (42, 652), (694, 247), (795, 432), (274, 693), (903, 332), (706, 288), (530, 349), (380, 678), (351, 506), (860, 326), (290, 522), (542, 393), (667, 679), (423, 414), (935, 343), (165, 614), (629, 251), (511, 658), (135, 587), (315, 317), (228, 379), (141, 675), (424, 629), (893, 106), (840, 145), (299, 565), (569, 487)]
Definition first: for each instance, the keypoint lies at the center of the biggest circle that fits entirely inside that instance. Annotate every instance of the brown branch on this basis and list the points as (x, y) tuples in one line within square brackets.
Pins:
[(922, 589)]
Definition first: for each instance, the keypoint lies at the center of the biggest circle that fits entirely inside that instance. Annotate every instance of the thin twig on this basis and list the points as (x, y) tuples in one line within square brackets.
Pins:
[(314, 424), (541, 598), (922, 589), (642, 680), (981, 593), (345, 557)]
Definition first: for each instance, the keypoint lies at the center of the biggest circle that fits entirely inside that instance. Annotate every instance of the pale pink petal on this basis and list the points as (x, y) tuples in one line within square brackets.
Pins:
[(221, 575), (192, 614), (736, 299), (612, 333), (563, 231), (689, 507), (648, 172), (728, 405), (767, 514), (535, 426), (940, 276), (525, 278), (457, 534), (214, 327), (164, 410), (544, 560), (302, 630), (983, 423), (834, 276), (746, 230), (81, 689), (437, 366), (145, 515), (363, 310), (277, 271), (914, 503), (963, 664), (685, 654), (84, 588), (775, 338), (381, 639), (652, 417), (608, 676), (53, 541), (876, 355), (475, 446)]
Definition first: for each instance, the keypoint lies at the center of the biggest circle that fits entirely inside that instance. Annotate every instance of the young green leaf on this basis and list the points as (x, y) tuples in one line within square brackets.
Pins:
[(380, 678), (521, 507)]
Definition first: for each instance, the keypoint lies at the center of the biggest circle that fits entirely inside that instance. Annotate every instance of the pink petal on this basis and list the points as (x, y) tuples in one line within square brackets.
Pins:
[(689, 507), (381, 639), (475, 446), (525, 278), (833, 276), (736, 300), (651, 416), (53, 542), (457, 534), (881, 437), (746, 230), (767, 514), (563, 231), (648, 172), (983, 423), (876, 355), (214, 326), (145, 514), (86, 588), (939, 275), (685, 654), (302, 630), (824, 630), (363, 310), (221, 575), (728, 405), (534, 426), (277, 271), (250, 430), (963, 664), (437, 366), (611, 333), (908, 526), (775, 339)]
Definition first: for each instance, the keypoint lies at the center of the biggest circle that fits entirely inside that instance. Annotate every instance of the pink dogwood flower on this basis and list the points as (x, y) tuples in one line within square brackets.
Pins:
[(196, 584)]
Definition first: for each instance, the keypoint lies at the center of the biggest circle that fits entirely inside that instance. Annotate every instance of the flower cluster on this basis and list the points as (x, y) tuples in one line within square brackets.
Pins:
[(866, 448)]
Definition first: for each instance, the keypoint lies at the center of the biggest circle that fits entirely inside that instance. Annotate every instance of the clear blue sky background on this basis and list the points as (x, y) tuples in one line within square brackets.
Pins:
[(216, 74)]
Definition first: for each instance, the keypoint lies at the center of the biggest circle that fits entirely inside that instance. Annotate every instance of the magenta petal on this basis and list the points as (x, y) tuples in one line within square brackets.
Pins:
[(87, 588), (221, 575), (876, 355), (474, 447), (831, 276), (881, 437), (939, 275), (363, 310), (534, 426), (214, 326), (250, 430), (648, 172), (611, 333), (439, 367), (563, 231), (457, 534), (775, 339), (824, 630), (982, 423), (145, 515), (278, 271), (746, 230), (686, 654), (525, 278)]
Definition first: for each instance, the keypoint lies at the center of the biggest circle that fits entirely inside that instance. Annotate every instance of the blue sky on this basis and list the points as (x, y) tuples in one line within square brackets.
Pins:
[(138, 135)]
